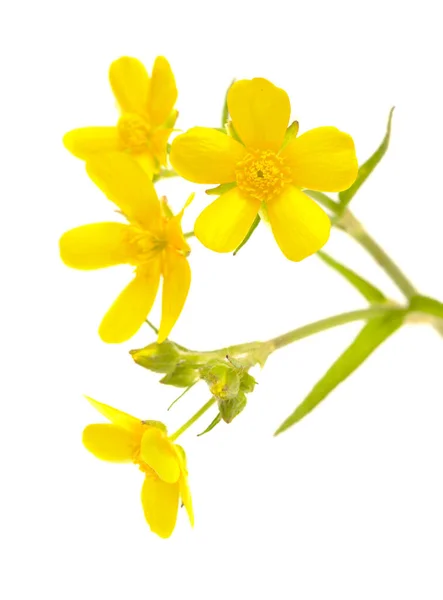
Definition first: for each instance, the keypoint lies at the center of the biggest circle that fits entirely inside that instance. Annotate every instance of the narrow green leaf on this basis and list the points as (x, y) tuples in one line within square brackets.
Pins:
[(366, 289), (215, 422), (221, 189), (366, 169), (248, 235), (426, 305), (374, 333), (225, 111), (181, 395)]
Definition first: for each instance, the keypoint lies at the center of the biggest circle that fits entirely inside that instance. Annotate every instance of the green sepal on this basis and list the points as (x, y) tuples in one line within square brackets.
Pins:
[(223, 379), (373, 334), (248, 235), (164, 174), (225, 111), (232, 132), (182, 376), (160, 358), (366, 289), (291, 133), (425, 304), (366, 169), (231, 407), (156, 424), (221, 189), (211, 425), (247, 383)]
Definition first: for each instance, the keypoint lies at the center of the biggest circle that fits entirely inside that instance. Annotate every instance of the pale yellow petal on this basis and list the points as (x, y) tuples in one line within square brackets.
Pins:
[(322, 159), (158, 452), (130, 83), (87, 141), (160, 505), (176, 283), (204, 155), (223, 225), (95, 246), (299, 225), (260, 113), (131, 308), (109, 442), (163, 92), (117, 417), (126, 184)]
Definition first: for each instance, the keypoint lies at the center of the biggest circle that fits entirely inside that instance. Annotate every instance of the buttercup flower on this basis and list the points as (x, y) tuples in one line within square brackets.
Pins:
[(146, 444), (265, 172), (152, 242), (147, 115)]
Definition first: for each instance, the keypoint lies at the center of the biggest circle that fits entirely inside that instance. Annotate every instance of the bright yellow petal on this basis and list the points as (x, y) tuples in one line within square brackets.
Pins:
[(109, 442), (159, 143), (322, 159), (160, 505), (174, 231), (117, 417), (223, 225), (130, 310), (130, 84), (260, 113), (204, 155), (158, 452), (147, 162), (299, 225), (95, 246), (185, 492), (163, 92), (126, 184), (176, 282), (87, 141)]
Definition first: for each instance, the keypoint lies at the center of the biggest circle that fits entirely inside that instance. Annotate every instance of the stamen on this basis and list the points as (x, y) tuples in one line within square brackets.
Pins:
[(262, 175), (134, 132)]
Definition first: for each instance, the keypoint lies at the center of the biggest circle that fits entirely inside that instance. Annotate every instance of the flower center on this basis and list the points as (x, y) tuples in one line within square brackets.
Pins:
[(262, 175), (134, 132), (144, 246), (144, 468)]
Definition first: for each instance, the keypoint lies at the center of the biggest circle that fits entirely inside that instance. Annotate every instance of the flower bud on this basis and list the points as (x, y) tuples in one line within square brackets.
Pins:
[(231, 407), (182, 376), (247, 383), (222, 378), (160, 358)]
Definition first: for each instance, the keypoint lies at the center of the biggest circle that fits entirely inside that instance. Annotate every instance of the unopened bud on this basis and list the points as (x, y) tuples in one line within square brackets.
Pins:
[(231, 407), (222, 378), (160, 358), (181, 376)]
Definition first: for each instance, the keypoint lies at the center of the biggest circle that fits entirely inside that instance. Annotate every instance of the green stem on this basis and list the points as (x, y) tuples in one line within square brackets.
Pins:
[(193, 419), (189, 234), (348, 317), (153, 327)]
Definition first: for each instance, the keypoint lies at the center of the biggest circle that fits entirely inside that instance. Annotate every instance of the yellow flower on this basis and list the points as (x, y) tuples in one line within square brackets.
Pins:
[(146, 444), (147, 115), (266, 173), (153, 242)]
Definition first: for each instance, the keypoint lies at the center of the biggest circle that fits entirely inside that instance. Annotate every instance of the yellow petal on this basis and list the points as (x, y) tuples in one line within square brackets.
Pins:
[(299, 225), (176, 282), (260, 113), (127, 185), (204, 155), (174, 231), (109, 442), (158, 452), (131, 308), (117, 417), (223, 225), (87, 141), (163, 92), (95, 246), (322, 159), (147, 162), (185, 492), (160, 505), (130, 84), (159, 143)]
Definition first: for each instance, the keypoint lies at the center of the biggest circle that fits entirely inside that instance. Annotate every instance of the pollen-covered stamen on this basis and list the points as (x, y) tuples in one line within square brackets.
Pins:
[(134, 132), (262, 175), (144, 468), (144, 246)]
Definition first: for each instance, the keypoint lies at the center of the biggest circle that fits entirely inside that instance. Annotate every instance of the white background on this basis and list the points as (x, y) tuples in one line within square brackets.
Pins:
[(346, 505)]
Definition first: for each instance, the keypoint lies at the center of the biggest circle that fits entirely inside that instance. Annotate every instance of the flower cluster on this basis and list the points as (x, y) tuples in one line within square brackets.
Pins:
[(260, 166)]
